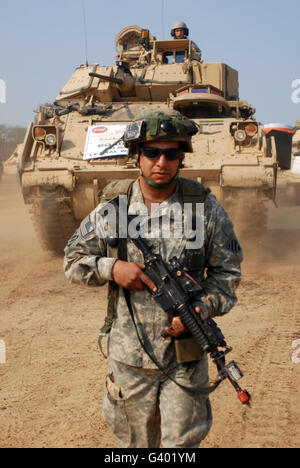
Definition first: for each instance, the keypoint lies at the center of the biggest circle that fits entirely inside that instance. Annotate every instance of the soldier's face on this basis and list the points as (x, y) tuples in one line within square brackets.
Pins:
[(179, 33), (160, 170)]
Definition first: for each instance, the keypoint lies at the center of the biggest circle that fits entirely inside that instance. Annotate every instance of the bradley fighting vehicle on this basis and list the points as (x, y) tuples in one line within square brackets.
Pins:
[(288, 180), (75, 146), (284, 222)]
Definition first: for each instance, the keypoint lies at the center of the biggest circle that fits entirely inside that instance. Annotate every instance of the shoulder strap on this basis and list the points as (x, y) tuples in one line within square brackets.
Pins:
[(192, 191), (110, 192), (116, 188)]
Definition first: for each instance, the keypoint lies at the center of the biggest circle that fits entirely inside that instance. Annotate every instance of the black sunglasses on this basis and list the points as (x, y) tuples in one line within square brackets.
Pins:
[(171, 154)]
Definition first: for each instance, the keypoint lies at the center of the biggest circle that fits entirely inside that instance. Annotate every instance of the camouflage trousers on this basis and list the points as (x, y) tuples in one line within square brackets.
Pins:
[(145, 409)]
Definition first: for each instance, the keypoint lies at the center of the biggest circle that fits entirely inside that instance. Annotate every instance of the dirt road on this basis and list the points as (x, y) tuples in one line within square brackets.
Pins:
[(52, 382)]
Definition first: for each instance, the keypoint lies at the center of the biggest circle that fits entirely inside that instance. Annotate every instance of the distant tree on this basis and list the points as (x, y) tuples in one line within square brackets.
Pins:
[(10, 137)]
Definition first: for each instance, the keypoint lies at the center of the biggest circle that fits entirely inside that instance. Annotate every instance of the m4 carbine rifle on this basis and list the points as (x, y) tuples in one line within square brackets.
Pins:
[(177, 295)]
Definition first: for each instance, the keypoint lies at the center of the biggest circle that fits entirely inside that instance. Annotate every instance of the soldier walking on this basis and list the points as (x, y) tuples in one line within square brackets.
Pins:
[(146, 406)]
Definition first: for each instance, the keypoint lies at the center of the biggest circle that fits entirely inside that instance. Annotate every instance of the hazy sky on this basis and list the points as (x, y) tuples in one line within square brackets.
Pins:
[(42, 42)]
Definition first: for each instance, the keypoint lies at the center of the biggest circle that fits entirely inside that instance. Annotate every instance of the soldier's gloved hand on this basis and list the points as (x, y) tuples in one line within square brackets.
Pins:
[(177, 328), (130, 275)]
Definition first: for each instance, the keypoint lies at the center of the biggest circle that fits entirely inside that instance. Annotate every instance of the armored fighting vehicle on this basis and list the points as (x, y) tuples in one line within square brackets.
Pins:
[(75, 146), (288, 180)]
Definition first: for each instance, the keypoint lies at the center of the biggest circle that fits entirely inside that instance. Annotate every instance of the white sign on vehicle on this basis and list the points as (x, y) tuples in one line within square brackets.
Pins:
[(105, 141), (296, 166)]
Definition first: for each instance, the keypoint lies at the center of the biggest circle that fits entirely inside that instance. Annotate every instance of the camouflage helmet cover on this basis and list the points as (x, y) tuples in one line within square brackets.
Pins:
[(179, 25), (159, 125)]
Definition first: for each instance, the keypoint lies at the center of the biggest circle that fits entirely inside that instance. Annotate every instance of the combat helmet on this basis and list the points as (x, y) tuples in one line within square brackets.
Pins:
[(159, 125), (180, 25)]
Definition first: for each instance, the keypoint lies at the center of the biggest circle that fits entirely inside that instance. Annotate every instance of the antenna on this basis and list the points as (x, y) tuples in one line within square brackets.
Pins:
[(163, 18), (85, 32)]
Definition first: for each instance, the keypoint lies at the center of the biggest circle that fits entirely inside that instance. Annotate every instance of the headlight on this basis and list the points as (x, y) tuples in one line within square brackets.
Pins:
[(240, 136), (251, 129), (39, 133), (46, 135), (50, 139)]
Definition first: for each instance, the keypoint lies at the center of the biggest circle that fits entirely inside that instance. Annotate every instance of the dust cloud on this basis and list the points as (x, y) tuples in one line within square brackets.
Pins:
[(283, 237)]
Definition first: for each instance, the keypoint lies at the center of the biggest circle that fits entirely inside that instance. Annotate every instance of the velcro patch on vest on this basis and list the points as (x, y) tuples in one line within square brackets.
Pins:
[(86, 227)]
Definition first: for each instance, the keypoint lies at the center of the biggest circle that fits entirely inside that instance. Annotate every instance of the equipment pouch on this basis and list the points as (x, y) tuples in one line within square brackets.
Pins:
[(187, 350)]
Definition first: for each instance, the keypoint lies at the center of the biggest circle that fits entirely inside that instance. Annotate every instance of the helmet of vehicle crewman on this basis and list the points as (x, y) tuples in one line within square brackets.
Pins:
[(179, 30)]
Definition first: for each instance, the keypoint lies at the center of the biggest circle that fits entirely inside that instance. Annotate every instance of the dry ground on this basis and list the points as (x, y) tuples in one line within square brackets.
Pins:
[(51, 385)]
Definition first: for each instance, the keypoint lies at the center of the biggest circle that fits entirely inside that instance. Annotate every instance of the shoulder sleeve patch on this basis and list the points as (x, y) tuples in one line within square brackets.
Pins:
[(86, 226)]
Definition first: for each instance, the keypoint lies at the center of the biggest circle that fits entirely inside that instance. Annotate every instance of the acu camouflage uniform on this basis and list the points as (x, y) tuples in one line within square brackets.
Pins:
[(196, 52), (141, 405)]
